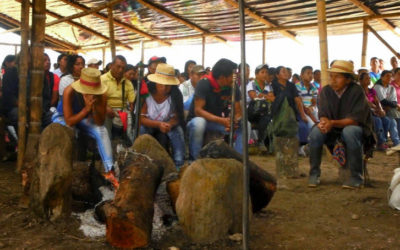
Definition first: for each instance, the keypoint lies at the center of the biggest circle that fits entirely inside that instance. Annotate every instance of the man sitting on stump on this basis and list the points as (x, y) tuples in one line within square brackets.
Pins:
[(210, 110), (344, 116)]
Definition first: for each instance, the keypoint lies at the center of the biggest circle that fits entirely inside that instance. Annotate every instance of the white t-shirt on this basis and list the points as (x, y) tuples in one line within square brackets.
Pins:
[(65, 81), (187, 90), (250, 87), (159, 111), (58, 72)]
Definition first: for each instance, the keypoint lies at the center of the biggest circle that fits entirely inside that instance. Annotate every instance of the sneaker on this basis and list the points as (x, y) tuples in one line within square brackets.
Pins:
[(301, 151), (313, 181), (109, 176), (351, 184)]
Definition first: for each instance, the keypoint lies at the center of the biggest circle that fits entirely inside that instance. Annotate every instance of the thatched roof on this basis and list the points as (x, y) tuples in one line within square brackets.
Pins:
[(170, 21)]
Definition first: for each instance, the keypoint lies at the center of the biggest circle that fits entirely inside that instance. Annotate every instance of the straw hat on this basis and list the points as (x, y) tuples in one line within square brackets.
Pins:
[(342, 66), (165, 74), (90, 82)]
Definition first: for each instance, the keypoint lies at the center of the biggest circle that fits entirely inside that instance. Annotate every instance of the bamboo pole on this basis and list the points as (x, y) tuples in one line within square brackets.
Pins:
[(263, 47), (111, 28), (139, 84), (364, 44), (103, 50), (22, 90), (384, 42), (245, 153), (323, 41), (203, 50)]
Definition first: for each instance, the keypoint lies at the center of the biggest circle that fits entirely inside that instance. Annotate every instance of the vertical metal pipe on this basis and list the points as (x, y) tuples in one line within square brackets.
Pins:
[(203, 50), (22, 90), (245, 209), (263, 47), (232, 114), (323, 41), (111, 29), (139, 83), (364, 44)]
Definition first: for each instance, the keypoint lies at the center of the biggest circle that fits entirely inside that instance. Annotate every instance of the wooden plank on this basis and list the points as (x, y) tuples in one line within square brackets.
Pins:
[(397, 54), (111, 29), (261, 19), (364, 44), (118, 23), (166, 12), (369, 11), (22, 90), (323, 41)]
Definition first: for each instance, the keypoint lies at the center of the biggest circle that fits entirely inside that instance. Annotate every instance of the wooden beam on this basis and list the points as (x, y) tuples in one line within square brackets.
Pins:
[(323, 41), (22, 83), (166, 12), (261, 19), (126, 26), (364, 44), (111, 29), (369, 11), (82, 27), (263, 48), (14, 23), (397, 54)]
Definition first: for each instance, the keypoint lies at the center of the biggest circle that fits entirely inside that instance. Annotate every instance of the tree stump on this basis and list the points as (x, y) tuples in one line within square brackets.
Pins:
[(129, 217), (148, 145), (50, 191), (262, 183), (209, 205), (286, 157)]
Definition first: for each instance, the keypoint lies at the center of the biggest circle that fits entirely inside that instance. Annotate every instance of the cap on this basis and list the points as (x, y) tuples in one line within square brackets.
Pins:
[(157, 59), (94, 61), (198, 69)]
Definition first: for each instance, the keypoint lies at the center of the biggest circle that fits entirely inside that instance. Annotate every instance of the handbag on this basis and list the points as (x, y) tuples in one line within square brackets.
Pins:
[(257, 109)]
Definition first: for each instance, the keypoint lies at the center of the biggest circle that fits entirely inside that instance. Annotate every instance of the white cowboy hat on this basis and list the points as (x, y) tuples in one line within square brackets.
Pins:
[(89, 82), (165, 74)]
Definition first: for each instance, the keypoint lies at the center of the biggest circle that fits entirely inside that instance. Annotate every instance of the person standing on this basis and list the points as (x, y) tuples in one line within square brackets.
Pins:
[(374, 73)]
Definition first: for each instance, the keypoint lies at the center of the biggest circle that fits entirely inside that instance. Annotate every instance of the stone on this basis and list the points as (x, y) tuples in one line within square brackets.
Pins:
[(236, 237), (209, 205), (286, 157)]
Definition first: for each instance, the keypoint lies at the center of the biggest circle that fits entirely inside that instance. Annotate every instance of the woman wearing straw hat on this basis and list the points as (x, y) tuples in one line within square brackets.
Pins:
[(162, 111), (84, 106)]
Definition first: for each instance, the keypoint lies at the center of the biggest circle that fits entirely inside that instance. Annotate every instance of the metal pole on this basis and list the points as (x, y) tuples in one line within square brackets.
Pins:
[(245, 209), (232, 114), (139, 83)]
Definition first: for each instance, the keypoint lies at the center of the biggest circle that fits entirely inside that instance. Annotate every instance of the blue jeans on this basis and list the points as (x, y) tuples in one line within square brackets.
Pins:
[(176, 137), (379, 131), (196, 129), (99, 133), (390, 125), (352, 138)]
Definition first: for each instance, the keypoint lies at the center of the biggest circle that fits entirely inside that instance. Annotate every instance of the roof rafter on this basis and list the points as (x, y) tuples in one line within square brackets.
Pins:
[(262, 19), (166, 12), (83, 27), (117, 22), (51, 40), (369, 11)]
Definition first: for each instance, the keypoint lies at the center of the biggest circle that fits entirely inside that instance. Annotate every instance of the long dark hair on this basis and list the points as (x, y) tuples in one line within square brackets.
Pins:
[(186, 72), (8, 59), (71, 60), (176, 101)]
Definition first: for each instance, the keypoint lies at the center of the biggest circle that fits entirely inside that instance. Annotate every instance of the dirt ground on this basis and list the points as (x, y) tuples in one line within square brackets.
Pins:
[(298, 217)]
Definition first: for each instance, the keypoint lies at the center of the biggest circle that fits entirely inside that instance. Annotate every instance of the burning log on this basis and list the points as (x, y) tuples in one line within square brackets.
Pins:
[(129, 217), (209, 205), (262, 183), (50, 191)]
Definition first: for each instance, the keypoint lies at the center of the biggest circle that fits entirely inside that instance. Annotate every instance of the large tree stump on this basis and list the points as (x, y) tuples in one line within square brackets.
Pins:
[(286, 157), (148, 145), (262, 183), (50, 191), (209, 205), (129, 217)]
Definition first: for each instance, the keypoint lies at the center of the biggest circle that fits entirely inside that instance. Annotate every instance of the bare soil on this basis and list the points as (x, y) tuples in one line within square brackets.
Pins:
[(327, 217)]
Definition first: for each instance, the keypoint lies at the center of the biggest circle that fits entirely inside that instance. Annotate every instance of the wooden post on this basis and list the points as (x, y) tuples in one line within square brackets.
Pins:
[(323, 41), (364, 44), (111, 28), (397, 54), (23, 75), (104, 57), (263, 47), (15, 50), (203, 51)]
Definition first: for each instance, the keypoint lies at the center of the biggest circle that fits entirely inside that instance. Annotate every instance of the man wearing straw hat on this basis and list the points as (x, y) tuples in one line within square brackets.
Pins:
[(344, 117), (84, 107)]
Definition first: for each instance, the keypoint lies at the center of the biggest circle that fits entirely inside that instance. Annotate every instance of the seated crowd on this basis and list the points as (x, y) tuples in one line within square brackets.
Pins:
[(180, 109)]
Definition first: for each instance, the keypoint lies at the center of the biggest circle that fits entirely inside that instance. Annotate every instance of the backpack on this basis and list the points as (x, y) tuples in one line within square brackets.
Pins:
[(284, 123), (258, 108)]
